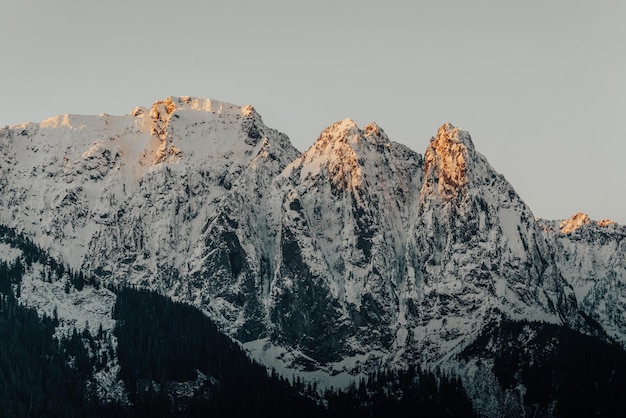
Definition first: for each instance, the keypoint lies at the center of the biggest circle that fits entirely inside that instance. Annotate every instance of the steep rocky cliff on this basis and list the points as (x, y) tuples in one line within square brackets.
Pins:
[(356, 254)]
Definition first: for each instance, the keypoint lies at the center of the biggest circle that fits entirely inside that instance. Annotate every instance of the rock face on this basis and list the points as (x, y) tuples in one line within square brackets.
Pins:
[(475, 252), (356, 253), (128, 197), (591, 256), (343, 221)]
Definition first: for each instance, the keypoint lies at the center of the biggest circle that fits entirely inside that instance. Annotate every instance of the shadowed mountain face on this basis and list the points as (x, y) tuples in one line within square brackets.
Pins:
[(357, 253)]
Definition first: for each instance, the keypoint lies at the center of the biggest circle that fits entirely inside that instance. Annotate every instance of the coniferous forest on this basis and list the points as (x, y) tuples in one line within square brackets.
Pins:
[(564, 371), (174, 362), (40, 376), (160, 341), (163, 341)]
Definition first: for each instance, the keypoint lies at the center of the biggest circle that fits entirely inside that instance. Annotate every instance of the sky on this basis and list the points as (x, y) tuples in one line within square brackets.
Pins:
[(540, 85)]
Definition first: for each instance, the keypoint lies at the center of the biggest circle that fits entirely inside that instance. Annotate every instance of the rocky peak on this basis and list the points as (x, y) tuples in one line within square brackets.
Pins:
[(334, 152), (173, 121), (576, 221), (213, 106), (160, 113), (606, 222), (579, 220), (375, 134), (347, 132), (349, 156), (446, 163), (343, 131)]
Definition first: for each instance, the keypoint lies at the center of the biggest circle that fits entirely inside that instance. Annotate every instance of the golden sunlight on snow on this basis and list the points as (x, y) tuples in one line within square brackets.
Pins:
[(445, 163), (574, 223)]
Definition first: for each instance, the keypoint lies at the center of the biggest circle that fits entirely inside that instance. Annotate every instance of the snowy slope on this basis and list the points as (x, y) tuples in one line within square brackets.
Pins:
[(356, 254), (343, 222), (90, 309), (475, 253), (126, 196), (591, 256)]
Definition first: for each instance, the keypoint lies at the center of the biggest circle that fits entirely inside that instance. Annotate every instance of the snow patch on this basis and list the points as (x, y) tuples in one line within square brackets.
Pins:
[(291, 363), (8, 253), (75, 309), (89, 308), (510, 222)]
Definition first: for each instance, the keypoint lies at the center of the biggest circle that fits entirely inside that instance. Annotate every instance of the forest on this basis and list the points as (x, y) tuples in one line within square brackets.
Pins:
[(572, 373), (174, 362), (163, 341)]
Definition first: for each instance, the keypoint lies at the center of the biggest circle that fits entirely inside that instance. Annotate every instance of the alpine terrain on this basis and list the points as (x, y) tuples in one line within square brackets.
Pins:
[(354, 266)]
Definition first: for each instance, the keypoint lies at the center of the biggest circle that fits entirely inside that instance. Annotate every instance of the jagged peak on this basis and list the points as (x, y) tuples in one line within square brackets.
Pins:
[(334, 152), (213, 106), (445, 162), (160, 113), (173, 103), (336, 140), (346, 131), (376, 134), (161, 109), (343, 152), (606, 222), (576, 221), (580, 219), (448, 133)]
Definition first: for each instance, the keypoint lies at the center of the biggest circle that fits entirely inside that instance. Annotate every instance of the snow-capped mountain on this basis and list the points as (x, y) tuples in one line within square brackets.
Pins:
[(475, 252), (127, 197), (591, 256), (343, 225), (356, 254)]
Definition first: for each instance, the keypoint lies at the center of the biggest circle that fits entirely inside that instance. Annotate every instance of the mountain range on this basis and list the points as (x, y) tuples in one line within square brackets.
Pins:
[(354, 256)]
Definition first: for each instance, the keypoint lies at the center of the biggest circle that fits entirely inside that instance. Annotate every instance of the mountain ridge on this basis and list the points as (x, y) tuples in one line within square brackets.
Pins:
[(356, 253)]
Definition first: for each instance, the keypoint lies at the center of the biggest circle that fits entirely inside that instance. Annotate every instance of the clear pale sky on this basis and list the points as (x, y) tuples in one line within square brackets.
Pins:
[(540, 85)]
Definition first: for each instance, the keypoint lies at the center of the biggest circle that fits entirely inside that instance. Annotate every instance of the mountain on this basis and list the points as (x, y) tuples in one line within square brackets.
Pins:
[(591, 256), (127, 195), (475, 252), (152, 357), (355, 255)]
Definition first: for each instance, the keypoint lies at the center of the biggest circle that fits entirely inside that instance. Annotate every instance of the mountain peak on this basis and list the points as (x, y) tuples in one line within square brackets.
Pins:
[(343, 130), (210, 105), (606, 222), (346, 131), (198, 104), (580, 219), (576, 221), (339, 139), (342, 150), (375, 133), (446, 160), (334, 151), (449, 134)]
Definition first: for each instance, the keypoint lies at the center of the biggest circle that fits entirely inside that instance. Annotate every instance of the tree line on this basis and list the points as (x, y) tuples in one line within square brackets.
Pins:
[(161, 343)]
